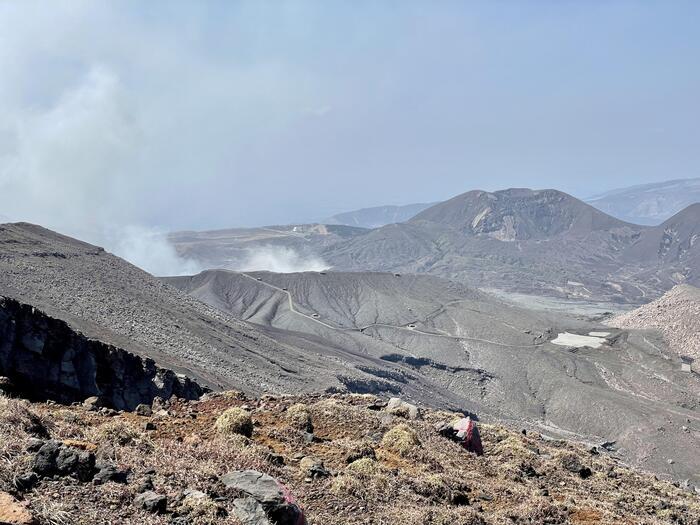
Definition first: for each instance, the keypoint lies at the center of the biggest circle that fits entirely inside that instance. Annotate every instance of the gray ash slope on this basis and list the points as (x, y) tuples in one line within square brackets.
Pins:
[(107, 299), (495, 358), (542, 242)]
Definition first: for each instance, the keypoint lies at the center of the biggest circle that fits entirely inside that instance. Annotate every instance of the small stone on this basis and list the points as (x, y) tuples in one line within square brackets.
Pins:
[(145, 485), (25, 482), (151, 502), (143, 410), (399, 407), (110, 473), (313, 467), (671, 462), (92, 403)]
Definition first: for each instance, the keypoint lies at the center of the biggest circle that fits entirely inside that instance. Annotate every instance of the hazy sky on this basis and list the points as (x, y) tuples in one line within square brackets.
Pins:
[(200, 114)]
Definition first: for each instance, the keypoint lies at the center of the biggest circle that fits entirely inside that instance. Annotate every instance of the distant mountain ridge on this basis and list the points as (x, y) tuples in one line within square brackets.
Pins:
[(649, 204), (378, 216), (542, 242), (518, 214)]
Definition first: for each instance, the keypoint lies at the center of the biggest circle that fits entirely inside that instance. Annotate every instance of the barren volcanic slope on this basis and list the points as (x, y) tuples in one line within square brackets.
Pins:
[(676, 315), (542, 242), (497, 360), (110, 300)]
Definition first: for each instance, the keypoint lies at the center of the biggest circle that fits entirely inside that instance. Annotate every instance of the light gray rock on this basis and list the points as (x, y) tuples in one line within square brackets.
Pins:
[(399, 407), (261, 487), (250, 512), (151, 502)]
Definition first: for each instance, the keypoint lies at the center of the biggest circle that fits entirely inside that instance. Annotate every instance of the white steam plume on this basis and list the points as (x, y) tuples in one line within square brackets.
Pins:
[(74, 167), (280, 259)]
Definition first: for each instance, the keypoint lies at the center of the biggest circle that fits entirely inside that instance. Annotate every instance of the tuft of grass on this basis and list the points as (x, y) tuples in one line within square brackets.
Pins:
[(401, 440), (15, 414), (299, 417), (235, 421)]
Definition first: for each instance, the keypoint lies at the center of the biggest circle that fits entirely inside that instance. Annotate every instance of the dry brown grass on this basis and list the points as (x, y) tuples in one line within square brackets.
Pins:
[(415, 477)]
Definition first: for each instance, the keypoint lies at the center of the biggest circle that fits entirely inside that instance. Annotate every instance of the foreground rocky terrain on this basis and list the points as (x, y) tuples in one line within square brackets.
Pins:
[(345, 459), (676, 315)]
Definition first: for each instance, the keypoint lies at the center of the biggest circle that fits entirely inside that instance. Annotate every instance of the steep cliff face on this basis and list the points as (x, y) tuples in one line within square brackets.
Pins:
[(46, 359)]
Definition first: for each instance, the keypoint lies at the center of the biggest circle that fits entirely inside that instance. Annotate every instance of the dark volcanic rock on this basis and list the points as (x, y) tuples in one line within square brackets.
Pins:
[(47, 359), (151, 502), (54, 458)]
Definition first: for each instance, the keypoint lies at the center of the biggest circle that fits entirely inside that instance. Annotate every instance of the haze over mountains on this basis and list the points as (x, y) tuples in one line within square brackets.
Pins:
[(541, 242), (377, 216), (651, 203), (648, 204)]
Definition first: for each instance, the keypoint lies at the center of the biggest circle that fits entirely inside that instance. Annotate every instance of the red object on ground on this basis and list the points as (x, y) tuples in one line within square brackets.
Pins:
[(291, 500), (468, 435)]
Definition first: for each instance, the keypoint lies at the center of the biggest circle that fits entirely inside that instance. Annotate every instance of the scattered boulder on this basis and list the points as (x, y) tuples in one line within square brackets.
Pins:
[(463, 431), (313, 467), (398, 407), (235, 421), (6, 385), (12, 512), (55, 458), (109, 473), (279, 505), (25, 482), (151, 502), (34, 444), (92, 403), (250, 512), (143, 410)]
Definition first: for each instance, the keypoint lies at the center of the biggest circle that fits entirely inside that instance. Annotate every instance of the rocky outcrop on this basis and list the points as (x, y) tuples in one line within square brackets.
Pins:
[(46, 359)]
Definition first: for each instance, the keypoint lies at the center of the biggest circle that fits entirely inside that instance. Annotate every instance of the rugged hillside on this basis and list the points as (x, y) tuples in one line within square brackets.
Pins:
[(519, 214), (461, 347), (377, 216), (107, 299), (676, 315), (346, 460), (538, 242), (672, 250), (46, 359), (649, 203)]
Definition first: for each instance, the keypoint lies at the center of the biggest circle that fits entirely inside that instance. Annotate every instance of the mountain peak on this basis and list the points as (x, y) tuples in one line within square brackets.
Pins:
[(518, 214)]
